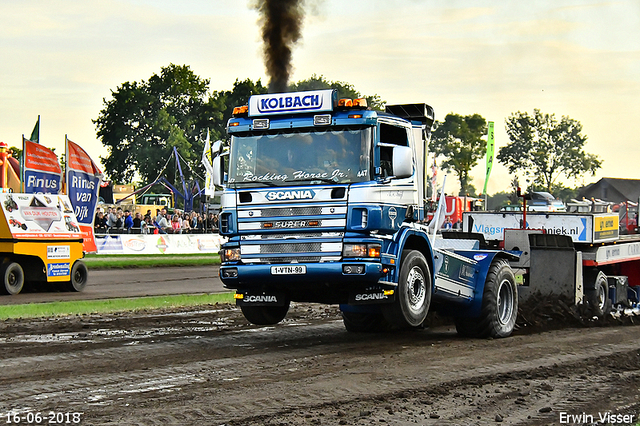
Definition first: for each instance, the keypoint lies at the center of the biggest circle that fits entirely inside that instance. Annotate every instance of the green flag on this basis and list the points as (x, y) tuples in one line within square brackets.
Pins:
[(35, 135), (490, 147)]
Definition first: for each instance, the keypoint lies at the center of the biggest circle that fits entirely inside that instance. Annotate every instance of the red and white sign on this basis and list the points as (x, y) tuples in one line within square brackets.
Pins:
[(41, 158)]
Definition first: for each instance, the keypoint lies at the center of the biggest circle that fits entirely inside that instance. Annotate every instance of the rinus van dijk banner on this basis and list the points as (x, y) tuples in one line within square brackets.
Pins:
[(83, 184), (42, 172)]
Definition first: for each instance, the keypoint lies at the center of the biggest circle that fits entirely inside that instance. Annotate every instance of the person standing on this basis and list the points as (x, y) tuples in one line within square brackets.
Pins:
[(447, 223), (111, 218), (128, 221)]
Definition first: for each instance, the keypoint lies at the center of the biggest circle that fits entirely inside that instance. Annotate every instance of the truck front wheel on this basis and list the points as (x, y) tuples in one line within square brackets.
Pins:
[(499, 305), (12, 278), (358, 322), (265, 315), (413, 294)]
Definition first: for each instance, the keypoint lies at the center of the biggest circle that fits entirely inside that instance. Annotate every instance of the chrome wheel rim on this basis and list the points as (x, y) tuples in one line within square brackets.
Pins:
[(416, 289), (505, 302)]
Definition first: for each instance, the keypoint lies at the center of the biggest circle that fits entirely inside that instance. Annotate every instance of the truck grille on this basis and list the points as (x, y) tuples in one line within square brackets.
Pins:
[(301, 232), (292, 211), (294, 259), (291, 248)]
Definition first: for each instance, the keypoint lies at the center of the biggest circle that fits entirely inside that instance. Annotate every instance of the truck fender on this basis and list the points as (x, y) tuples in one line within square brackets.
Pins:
[(484, 259), (408, 238)]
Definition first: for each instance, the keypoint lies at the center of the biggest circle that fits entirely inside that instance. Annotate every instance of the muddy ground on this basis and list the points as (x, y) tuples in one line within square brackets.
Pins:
[(208, 366)]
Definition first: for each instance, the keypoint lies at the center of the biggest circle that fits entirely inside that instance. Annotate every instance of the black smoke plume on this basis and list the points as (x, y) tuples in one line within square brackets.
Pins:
[(281, 29)]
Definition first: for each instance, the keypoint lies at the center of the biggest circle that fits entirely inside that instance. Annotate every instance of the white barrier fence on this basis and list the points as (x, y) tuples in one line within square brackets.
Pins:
[(158, 243)]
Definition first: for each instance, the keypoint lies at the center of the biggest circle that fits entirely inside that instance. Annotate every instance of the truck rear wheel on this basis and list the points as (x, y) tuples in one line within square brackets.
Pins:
[(12, 278), (413, 295), (79, 276), (499, 305), (265, 315), (598, 298)]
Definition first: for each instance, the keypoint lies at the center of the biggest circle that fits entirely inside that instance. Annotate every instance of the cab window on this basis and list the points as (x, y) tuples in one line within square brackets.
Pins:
[(390, 135)]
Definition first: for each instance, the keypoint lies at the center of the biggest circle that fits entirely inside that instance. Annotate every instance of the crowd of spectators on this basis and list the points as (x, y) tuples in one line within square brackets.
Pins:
[(117, 221)]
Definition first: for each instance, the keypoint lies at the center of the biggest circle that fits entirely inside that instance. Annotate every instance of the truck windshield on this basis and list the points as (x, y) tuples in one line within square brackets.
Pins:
[(300, 158)]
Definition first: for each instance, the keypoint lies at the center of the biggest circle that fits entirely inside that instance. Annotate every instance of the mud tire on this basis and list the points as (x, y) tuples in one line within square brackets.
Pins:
[(413, 295), (499, 305), (598, 298), (358, 322), (79, 277), (265, 315), (12, 278)]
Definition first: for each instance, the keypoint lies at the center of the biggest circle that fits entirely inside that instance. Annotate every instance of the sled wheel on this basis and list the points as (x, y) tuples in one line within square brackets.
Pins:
[(413, 294), (499, 305), (359, 322), (265, 315), (79, 276), (12, 278), (598, 298)]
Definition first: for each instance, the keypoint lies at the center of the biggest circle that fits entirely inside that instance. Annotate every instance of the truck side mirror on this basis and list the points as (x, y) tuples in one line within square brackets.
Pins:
[(216, 148), (218, 170), (402, 162)]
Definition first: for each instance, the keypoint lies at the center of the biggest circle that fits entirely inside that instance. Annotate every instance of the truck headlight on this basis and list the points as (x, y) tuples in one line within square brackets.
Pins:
[(361, 250), (230, 255)]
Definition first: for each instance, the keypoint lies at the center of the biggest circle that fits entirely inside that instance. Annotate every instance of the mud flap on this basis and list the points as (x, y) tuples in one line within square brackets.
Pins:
[(619, 290), (260, 299)]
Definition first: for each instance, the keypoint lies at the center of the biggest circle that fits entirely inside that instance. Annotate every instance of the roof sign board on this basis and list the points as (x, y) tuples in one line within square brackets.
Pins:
[(291, 103)]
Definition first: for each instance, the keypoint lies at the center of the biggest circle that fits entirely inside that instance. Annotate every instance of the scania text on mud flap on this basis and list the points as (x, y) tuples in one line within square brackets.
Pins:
[(324, 201), (39, 242)]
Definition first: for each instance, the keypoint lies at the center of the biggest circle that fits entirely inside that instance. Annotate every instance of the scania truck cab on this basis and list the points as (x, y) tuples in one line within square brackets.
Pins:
[(324, 202)]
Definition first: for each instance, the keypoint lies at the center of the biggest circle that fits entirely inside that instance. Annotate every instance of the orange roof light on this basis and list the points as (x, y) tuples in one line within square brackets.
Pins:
[(360, 102), (240, 110), (345, 103)]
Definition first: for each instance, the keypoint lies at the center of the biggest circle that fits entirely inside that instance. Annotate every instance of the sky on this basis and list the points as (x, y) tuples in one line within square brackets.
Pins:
[(61, 59)]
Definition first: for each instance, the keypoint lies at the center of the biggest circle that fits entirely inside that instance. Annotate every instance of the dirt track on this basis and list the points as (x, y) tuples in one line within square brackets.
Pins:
[(210, 367)]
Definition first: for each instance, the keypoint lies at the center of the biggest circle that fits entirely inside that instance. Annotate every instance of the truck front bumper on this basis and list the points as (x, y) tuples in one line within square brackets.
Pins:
[(343, 273), (329, 282)]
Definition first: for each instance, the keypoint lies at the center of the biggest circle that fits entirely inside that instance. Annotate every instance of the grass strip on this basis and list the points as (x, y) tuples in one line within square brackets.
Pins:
[(149, 261), (79, 307)]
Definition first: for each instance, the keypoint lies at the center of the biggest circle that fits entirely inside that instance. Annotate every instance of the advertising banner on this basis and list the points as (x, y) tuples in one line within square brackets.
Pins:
[(83, 185), (42, 173), (491, 143), (209, 188), (39, 216), (159, 244), (587, 228)]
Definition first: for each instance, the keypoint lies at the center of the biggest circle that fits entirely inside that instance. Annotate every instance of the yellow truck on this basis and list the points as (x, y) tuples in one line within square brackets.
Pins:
[(40, 241)]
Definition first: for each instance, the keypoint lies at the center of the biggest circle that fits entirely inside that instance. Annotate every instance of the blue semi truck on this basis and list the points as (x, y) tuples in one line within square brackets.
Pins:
[(324, 201)]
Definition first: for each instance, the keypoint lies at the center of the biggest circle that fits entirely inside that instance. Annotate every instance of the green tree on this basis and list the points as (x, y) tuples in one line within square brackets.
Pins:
[(222, 103), (459, 140), (544, 148), (497, 200), (16, 152), (345, 90), (143, 121)]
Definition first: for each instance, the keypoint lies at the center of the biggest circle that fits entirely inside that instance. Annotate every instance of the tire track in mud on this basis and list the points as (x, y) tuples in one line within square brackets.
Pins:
[(253, 375)]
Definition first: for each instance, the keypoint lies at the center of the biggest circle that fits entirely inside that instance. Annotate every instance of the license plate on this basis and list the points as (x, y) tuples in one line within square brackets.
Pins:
[(289, 270)]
